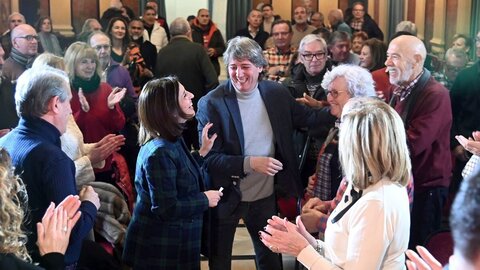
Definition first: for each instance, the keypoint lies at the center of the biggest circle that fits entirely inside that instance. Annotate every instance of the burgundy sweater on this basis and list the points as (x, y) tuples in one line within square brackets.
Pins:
[(428, 136)]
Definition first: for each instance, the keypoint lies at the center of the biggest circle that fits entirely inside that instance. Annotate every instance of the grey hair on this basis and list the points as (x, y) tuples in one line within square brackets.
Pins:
[(36, 87), (309, 39), (243, 48), (458, 53), (100, 33), (86, 25), (406, 26), (179, 26), (16, 13), (359, 81), (338, 36)]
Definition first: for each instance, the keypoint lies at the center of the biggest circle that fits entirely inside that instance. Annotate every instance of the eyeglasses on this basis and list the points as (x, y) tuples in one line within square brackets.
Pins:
[(357, 10), (100, 47), (309, 56), (334, 93), (30, 37), (280, 34)]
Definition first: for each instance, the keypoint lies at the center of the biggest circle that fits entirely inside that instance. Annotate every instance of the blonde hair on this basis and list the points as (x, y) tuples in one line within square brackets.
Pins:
[(76, 52), (12, 237), (372, 143)]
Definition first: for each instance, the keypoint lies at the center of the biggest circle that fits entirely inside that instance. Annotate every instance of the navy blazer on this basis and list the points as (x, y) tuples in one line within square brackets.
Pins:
[(225, 161)]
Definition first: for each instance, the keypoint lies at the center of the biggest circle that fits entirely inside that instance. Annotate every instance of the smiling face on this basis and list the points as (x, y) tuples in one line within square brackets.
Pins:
[(244, 74), (119, 30), (85, 68), (338, 96), (185, 102), (135, 29), (365, 57), (399, 63)]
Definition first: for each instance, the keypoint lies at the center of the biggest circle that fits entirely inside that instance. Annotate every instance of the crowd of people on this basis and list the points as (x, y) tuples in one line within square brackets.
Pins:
[(333, 145)]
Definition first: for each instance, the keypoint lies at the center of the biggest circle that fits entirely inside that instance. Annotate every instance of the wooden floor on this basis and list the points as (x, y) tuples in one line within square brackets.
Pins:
[(242, 245)]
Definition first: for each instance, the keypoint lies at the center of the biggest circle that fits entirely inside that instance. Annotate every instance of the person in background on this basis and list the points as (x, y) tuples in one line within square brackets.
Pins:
[(9, 118), (53, 230), (161, 20), (166, 229), (253, 30), (43, 103), (335, 18), (268, 17), (373, 54), (206, 33), (301, 27), (456, 60), (406, 26), (190, 19), (357, 41), (140, 65), (465, 97), (374, 158), (24, 50), (317, 20), (339, 46), (14, 20), (48, 39), (279, 57), (361, 21), (462, 41), (117, 32), (153, 32), (90, 25)]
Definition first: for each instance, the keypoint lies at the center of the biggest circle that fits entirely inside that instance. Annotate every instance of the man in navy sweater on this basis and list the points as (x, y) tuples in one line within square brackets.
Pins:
[(43, 103)]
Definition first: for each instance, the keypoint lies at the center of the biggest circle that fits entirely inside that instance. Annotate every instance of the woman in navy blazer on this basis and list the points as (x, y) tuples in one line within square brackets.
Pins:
[(166, 228)]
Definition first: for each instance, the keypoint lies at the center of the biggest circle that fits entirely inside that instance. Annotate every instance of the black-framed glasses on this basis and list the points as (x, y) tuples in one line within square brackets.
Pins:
[(309, 56), (30, 37), (334, 93)]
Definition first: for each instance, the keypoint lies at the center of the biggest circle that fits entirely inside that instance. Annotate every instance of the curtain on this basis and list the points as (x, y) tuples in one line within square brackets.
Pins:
[(474, 26), (396, 10), (237, 12)]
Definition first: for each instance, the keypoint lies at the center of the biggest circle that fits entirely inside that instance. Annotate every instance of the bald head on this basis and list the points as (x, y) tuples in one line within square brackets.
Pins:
[(335, 16), (25, 39), (405, 57)]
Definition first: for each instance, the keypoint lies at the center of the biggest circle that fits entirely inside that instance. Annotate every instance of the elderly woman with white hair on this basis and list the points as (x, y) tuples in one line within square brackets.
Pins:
[(369, 229), (342, 83)]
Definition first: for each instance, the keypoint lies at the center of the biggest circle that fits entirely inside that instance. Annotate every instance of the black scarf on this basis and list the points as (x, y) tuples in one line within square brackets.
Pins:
[(88, 86), (21, 58)]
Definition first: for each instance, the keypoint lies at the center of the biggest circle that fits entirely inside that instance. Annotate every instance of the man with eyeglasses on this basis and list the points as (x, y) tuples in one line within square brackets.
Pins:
[(465, 96), (361, 21), (112, 72), (6, 40), (305, 86), (455, 61), (24, 50), (280, 57)]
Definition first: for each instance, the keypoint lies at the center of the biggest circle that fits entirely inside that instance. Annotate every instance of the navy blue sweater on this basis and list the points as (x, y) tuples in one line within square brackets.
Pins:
[(49, 175)]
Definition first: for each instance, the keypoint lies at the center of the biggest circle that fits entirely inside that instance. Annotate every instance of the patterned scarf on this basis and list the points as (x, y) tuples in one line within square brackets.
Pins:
[(22, 59)]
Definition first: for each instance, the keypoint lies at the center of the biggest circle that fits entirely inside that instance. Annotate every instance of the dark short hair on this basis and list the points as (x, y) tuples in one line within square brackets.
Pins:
[(378, 50), (338, 36), (281, 21), (159, 111), (360, 34), (465, 217), (147, 8), (267, 5), (468, 40)]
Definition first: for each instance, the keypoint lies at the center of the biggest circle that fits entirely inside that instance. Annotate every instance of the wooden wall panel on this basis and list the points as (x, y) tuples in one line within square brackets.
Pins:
[(82, 10), (5, 10), (429, 18), (451, 25), (411, 10)]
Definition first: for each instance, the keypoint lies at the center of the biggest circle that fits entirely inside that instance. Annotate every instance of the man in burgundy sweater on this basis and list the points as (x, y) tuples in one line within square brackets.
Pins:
[(424, 105)]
